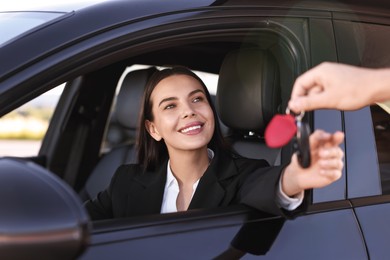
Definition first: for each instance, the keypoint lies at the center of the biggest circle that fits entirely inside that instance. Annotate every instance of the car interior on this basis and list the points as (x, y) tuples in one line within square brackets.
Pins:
[(244, 114), (122, 132), (255, 75), (94, 125)]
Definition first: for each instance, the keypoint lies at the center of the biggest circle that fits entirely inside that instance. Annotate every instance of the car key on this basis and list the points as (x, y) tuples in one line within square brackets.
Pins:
[(283, 128), (301, 142)]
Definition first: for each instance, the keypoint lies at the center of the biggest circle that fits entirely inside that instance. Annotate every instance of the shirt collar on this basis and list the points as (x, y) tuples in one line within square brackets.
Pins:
[(171, 179)]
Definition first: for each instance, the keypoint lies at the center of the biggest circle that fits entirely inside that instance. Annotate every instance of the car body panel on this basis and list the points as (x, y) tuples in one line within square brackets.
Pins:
[(373, 220), (200, 242), (362, 159), (331, 121)]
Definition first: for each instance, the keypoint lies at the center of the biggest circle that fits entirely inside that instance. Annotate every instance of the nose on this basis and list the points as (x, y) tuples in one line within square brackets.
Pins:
[(188, 111)]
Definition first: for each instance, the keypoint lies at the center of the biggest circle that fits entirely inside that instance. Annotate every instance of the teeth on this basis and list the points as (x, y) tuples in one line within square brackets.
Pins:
[(190, 129)]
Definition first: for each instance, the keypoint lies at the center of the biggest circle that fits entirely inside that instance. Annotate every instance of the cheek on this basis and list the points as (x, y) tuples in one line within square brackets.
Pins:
[(210, 113), (210, 117), (165, 120)]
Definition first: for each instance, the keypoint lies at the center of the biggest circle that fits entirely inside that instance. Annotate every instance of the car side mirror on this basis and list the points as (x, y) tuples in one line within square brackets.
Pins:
[(41, 217)]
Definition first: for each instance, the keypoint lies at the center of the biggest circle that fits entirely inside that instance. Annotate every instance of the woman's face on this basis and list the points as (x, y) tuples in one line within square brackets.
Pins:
[(182, 115)]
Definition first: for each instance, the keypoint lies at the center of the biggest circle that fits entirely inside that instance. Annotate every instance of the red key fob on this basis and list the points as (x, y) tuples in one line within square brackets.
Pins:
[(280, 130)]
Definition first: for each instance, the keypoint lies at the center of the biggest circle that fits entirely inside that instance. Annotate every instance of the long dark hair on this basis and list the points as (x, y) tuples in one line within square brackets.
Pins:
[(151, 153)]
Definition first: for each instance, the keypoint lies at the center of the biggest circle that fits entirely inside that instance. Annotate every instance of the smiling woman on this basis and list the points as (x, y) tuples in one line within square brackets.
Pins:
[(185, 162)]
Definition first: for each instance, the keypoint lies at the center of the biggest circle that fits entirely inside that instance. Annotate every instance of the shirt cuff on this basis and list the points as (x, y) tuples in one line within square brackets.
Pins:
[(286, 202)]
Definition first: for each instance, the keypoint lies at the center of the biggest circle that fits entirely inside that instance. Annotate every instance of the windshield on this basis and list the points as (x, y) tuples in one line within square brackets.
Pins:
[(13, 24)]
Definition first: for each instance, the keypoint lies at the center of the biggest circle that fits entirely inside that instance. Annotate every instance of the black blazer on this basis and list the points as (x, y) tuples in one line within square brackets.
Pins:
[(228, 180)]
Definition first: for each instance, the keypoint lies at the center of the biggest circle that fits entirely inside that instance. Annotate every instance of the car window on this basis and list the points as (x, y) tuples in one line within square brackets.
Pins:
[(365, 45), (22, 130), (381, 124), (373, 53)]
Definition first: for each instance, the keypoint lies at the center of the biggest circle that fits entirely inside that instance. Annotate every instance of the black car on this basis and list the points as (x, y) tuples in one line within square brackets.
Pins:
[(98, 59)]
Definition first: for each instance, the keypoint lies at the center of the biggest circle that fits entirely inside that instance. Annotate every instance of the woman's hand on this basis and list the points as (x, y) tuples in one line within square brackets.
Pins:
[(326, 164)]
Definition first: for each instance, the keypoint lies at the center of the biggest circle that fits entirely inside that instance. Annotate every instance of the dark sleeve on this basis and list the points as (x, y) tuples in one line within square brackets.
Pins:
[(101, 207), (259, 190)]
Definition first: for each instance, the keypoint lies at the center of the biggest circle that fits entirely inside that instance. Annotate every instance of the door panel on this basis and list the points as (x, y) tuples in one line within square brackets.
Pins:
[(330, 235), (374, 221)]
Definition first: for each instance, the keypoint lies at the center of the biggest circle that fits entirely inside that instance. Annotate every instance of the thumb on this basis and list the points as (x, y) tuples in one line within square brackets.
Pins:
[(307, 103)]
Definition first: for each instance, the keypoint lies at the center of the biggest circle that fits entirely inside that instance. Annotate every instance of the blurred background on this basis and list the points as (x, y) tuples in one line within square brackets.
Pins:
[(22, 130)]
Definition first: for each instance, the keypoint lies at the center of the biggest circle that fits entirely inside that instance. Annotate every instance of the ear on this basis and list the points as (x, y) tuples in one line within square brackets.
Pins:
[(152, 130)]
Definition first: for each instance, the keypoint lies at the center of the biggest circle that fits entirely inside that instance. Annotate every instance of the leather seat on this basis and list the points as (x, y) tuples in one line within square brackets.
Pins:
[(125, 115), (248, 95)]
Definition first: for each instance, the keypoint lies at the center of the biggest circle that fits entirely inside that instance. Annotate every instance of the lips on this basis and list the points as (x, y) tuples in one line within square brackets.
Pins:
[(192, 128)]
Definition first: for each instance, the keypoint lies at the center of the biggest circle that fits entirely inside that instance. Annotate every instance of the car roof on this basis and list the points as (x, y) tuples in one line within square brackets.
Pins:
[(325, 5), (46, 6), (104, 15), (74, 5)]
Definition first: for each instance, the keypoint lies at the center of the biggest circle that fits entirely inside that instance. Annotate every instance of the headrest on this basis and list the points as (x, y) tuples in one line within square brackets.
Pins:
[(248, 92), (128, 103)]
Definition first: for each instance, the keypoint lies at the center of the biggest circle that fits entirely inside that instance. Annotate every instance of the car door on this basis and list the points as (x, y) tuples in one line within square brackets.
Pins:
[(366, 44), (328, 231)]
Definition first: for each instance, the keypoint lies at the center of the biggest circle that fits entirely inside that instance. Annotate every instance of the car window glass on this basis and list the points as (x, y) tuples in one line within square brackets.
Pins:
[(381, 124), (373, 50), (22, 130), (365, 45)]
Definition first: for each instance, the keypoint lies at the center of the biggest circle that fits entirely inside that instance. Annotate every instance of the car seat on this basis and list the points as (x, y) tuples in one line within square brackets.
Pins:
[(248, 95), (125, 114)]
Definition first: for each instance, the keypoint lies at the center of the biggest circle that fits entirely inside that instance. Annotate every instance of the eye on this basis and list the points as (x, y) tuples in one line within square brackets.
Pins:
[(169, 106), (197, 99)]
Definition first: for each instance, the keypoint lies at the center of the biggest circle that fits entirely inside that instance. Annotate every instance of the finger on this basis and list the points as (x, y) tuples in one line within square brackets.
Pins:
[(313, 101), (314, 90), (318, 137), (303, 84), (331, 164), (331, 175), (338, 138), (331, 152)]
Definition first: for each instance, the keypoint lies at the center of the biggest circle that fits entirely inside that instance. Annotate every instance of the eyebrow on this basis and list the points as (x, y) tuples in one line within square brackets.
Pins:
[(175, 98)]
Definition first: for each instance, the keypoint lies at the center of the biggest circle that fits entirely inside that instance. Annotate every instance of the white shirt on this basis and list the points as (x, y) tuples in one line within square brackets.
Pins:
[(171, 192)]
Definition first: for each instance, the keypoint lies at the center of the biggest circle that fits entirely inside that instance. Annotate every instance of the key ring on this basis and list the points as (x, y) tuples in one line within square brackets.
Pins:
[(297, 117)]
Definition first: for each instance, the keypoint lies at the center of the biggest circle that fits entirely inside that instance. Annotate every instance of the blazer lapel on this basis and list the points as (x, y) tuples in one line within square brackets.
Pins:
[(147, 192), (210, 193)]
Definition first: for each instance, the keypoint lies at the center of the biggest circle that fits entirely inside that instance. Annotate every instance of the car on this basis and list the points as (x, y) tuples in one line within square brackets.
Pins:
[(97, 60)]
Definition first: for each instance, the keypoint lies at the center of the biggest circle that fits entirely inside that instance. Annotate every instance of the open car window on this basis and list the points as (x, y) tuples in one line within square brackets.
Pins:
[(23, 129)]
